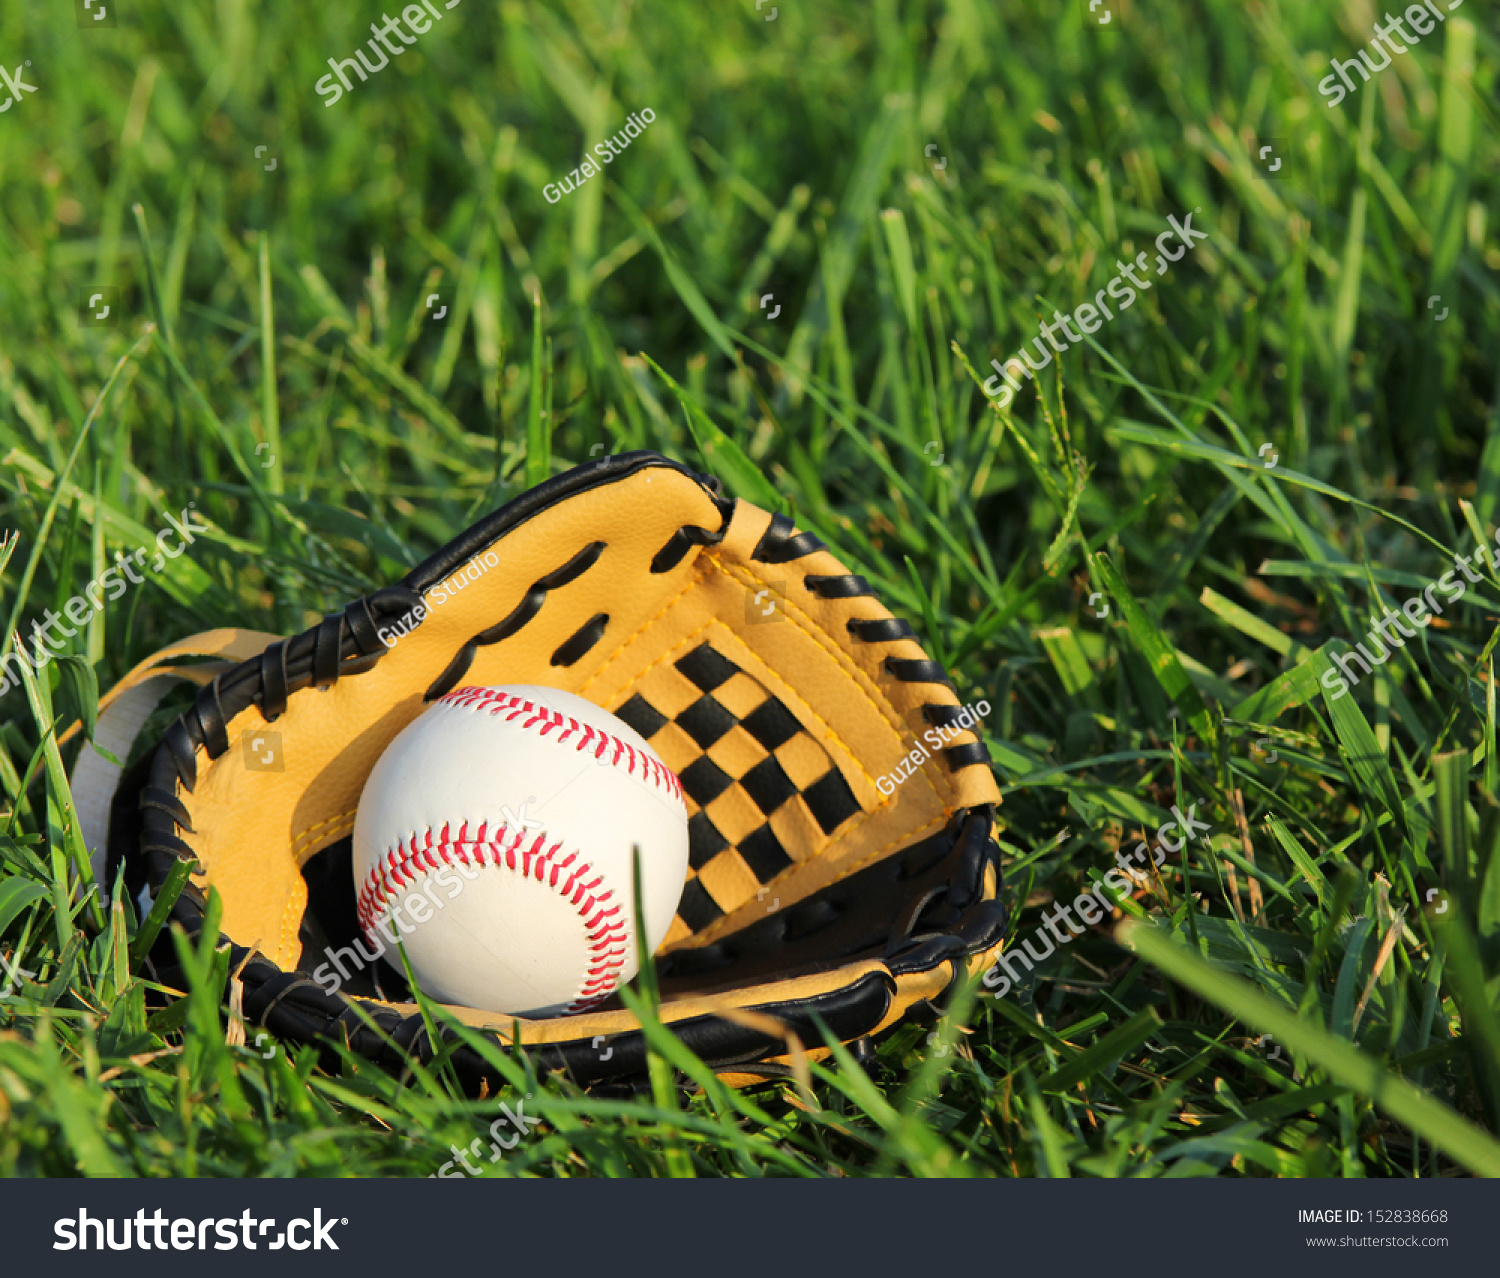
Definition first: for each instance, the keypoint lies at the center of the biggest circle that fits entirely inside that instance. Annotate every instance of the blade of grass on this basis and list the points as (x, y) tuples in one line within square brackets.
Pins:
[(1344, 1063)]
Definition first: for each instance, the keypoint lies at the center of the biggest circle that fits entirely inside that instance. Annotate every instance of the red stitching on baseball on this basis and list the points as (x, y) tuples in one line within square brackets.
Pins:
[(608, 941), (511, 707)]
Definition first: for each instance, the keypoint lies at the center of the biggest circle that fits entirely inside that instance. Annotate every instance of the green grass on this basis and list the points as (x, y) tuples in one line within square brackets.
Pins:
[(275, 364)]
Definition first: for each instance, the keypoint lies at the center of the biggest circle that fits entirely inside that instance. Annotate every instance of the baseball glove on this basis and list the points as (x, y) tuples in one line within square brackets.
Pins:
[(843, 859)]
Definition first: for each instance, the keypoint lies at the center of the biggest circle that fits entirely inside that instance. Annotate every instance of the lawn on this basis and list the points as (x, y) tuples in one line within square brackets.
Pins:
[(346, 327)]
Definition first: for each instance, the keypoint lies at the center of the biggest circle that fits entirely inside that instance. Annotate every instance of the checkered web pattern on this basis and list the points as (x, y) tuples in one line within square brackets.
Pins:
[(762, 793)]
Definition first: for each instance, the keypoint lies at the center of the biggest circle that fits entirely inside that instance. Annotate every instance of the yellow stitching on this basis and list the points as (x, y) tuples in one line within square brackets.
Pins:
[(646, 625), (820, 636), (667, 656), (911, 836), (672, 652), (286, 926), (887, 713), (311, 832), (937, 822)]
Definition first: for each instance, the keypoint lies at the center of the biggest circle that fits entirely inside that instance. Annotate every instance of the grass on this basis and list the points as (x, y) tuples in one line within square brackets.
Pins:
[(1310, 991)]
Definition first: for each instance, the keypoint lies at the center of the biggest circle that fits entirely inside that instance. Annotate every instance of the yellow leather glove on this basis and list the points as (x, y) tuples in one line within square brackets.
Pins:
[(841, 814)]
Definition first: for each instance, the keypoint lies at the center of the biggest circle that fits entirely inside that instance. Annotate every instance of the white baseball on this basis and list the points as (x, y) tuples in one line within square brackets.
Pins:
[(494, 838)]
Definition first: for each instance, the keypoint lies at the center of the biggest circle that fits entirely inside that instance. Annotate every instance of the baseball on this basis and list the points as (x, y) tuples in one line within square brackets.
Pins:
[(493, 839)]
